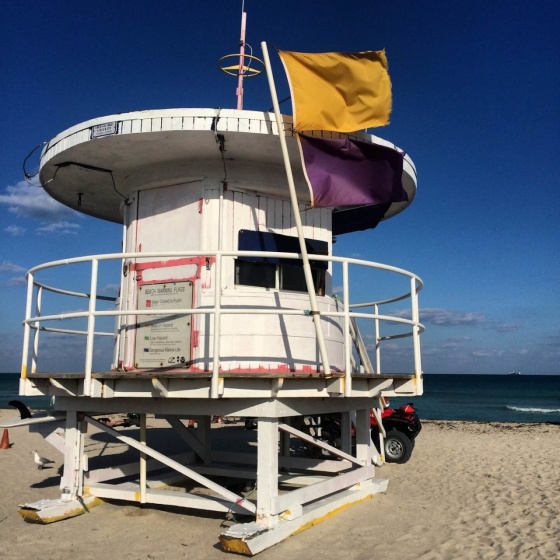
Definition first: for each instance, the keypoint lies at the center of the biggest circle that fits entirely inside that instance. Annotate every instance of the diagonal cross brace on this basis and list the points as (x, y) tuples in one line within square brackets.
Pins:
[(321, 444), (189, 473)]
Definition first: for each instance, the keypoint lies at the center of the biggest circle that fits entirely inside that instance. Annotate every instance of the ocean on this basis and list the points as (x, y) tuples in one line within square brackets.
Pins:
[(479, 398)]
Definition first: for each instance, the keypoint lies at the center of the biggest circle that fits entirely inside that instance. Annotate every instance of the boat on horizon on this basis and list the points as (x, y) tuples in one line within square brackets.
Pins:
[(514, 373)]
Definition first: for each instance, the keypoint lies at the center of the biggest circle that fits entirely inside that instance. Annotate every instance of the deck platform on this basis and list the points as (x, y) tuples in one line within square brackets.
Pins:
[(232, 385)]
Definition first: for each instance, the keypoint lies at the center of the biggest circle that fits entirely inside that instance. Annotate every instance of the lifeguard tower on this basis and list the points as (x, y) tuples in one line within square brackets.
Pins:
[(219, 314)]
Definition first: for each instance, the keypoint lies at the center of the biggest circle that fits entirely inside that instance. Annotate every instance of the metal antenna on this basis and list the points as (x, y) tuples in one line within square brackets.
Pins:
[(243, 68), (239, 91)]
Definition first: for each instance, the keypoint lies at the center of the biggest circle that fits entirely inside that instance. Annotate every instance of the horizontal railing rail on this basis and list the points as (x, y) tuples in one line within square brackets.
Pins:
[(350, 312)]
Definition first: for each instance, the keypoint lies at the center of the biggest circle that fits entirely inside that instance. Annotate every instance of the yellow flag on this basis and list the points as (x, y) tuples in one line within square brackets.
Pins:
[(343, 92)]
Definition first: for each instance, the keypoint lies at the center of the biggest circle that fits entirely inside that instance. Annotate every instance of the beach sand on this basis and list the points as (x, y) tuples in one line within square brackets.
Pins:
[(470, 490)]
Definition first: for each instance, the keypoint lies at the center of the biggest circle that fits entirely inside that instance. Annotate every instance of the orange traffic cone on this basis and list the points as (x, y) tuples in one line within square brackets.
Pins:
[(5, 440)]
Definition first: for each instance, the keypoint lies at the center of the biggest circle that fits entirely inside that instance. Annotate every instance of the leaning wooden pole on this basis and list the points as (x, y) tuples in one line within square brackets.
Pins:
[(295, 210)]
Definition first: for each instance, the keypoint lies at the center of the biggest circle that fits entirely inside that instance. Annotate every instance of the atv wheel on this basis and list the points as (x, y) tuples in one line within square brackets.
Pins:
[(398, 448)]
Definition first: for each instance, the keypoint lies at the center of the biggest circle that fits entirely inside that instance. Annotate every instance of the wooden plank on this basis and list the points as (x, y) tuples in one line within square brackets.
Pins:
[(50, 511), (252, 538), (308, 494), (111, 473), (165, 497), (186, 435), (320, 444), (267, 470), (156, 125), (189, 473)]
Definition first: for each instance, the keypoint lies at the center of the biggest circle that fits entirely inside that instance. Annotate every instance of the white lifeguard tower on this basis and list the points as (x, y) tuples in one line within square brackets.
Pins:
[(214, 318)]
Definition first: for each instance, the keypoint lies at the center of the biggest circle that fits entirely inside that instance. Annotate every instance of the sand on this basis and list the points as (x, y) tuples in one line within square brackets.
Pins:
[(470, 490)]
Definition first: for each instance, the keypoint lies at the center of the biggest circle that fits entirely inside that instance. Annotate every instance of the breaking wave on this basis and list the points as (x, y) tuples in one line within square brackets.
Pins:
[(534, 410)]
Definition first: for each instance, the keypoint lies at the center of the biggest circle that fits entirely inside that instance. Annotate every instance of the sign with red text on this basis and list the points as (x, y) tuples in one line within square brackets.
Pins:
[(164, 340)]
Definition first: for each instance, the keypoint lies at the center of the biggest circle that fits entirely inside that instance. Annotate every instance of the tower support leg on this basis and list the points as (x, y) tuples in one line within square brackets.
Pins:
[(71, 502)]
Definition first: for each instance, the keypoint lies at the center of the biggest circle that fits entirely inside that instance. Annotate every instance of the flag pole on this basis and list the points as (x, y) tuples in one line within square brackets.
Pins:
[(241, 60), (295, 211)]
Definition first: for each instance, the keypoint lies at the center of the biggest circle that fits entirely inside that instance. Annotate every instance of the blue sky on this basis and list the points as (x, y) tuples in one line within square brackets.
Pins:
[(475, 104)]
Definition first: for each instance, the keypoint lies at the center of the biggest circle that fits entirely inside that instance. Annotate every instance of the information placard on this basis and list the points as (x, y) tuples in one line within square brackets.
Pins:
[(104, 129), (163, 340)]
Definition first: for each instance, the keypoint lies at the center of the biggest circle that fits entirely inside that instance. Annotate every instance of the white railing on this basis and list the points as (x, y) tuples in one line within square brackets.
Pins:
[(349, 313)]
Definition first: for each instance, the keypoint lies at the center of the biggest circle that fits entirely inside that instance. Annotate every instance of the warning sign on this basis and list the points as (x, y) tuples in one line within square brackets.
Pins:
[(164, 340)]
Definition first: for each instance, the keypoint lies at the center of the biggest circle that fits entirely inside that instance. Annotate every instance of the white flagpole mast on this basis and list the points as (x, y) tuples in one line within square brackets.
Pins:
[(241, 59), (295, 211)]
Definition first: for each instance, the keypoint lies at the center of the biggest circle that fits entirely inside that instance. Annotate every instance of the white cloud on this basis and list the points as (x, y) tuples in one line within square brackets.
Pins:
[(60, 228), (11, 268), (503, 327), (27, 201), (488, 353), (450, 318), (111, 289), (6, 266), (17, 281), (443, 317), (14, 230)]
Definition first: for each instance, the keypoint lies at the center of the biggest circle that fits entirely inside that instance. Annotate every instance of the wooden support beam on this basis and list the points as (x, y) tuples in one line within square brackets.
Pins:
[(189, 473)]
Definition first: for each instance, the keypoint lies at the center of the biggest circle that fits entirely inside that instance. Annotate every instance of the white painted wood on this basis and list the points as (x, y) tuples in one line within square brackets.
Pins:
[(168, 171), (205, 436), (364, 445), (189, 473), (319, 443), (71, 482), (267, 471), (165, 497), (285, 480), (307, 494), (253, 538), (285, 463), (110, 473), (346, 432), (187, 436)]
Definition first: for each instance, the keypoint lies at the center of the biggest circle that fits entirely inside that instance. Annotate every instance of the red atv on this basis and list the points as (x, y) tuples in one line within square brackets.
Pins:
[(401, 428)]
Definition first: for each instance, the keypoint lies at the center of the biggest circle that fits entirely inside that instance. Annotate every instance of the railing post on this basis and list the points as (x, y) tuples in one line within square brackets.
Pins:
[(347, 337), (143, 463), (119, 319), (416, 335), (26, 330), (36, 333), (214, 388), (91, 327), (377, 341)]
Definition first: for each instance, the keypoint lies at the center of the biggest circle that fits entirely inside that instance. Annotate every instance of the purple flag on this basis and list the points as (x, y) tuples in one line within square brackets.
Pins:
[(344, 172)]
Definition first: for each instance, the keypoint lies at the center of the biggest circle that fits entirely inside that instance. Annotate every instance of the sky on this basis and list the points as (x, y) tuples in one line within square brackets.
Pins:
[(475, 105)]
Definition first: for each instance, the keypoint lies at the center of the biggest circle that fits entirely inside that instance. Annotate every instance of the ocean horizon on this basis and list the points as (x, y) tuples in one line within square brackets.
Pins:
[(467, 397)]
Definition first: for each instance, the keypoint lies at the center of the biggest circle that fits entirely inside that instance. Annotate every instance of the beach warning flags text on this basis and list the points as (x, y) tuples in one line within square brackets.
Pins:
[(342, 92)]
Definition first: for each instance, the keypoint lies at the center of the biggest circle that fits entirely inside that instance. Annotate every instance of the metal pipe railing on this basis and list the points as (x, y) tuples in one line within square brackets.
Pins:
[(348, 314), (91, 327), (347, 337), (217, 328), (27, 326), (36, 333)]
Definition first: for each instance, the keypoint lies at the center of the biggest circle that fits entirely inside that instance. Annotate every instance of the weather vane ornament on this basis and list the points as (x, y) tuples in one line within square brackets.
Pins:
[(247, 66)]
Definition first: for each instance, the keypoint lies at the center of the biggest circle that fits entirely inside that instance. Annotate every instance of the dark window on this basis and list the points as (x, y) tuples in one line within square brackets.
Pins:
[(262, 271), (255, 274)]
